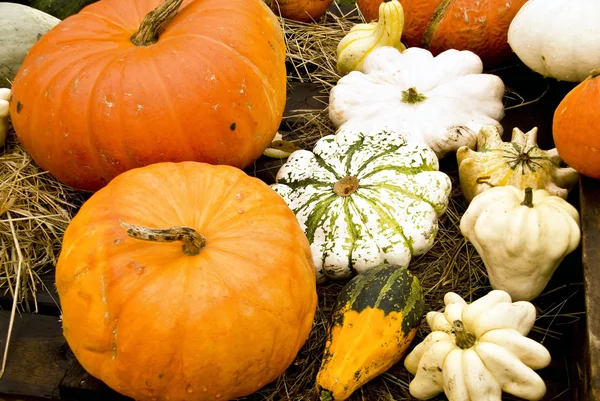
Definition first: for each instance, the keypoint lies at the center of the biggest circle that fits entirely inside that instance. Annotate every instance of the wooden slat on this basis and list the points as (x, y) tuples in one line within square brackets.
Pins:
[(38, 356), (590, 216)]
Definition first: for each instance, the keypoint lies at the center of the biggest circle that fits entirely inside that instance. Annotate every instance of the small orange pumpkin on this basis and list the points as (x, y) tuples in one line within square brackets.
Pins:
[(215, 318), (300, 10), (108, 90), (480, 26), (575, 127)]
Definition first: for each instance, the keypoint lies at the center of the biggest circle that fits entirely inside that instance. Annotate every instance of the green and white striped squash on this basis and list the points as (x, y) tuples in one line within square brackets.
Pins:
[(364, 200)]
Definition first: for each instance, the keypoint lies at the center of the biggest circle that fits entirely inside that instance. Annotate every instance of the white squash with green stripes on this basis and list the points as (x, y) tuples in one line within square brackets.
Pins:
[(442, 101), (363, 200)]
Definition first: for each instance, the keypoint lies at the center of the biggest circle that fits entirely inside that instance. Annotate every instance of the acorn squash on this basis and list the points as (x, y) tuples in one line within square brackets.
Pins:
[(375, 318)]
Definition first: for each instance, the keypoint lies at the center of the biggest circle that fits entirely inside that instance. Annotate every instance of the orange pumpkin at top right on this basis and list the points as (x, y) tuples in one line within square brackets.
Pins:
[(480, 26)]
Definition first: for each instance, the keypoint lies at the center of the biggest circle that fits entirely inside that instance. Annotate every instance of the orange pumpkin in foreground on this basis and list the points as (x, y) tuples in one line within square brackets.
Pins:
[(480, 26), (300, 10), (103, 92), (213, 310), (576, 127)]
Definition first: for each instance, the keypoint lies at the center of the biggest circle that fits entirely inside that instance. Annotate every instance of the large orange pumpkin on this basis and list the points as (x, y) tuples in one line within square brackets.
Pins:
[(480, 26), (575, 127), (89, 103), (214, 308)]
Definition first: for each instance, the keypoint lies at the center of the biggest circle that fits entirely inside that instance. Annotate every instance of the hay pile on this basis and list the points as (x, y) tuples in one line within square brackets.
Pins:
[(35, 210)]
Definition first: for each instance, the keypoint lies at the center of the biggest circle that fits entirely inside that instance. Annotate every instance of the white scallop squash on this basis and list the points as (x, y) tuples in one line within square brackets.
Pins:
[(558, 38), (440, 101), (477, 351), (364, 200)]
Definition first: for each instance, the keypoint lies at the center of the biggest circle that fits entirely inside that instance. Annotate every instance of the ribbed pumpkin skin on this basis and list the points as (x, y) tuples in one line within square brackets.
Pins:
[(300, 10), (575, 127), (375, 318), (156, 324), (480, 26), (89, 104)]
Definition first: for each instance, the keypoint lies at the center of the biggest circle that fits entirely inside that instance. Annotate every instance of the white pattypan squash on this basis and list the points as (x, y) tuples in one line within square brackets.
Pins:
[(441, 101), (364, 38), (521, 236), (476, 351), (520, 163), (558, 38), (363, 200), (5, 95)]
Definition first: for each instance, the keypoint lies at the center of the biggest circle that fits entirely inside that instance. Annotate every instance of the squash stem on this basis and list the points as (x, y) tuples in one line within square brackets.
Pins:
[(411, 96), (193, 242), (464, 339), (326, 395), (528, 201), (346, 186), (155, 22)]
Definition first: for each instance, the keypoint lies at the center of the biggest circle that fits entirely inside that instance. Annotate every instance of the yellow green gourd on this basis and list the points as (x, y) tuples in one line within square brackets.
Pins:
[(375, 319), (364, 38), (520, 163)]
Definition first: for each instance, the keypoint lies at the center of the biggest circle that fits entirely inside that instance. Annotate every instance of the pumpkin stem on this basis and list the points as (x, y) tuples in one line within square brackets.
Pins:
[(464, 339), (528, 201), (411, 96), (193, 242), (595, 73), (155, 22), (326, 395), (346, 186)]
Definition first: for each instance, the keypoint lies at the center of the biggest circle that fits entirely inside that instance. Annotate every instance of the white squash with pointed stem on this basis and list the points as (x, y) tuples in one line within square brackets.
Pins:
[(476, 351), (521, 236), (364, 38), (440, 101)]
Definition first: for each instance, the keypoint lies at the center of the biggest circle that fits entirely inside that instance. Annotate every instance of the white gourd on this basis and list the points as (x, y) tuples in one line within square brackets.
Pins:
[(557, 38), (476, 351), (440, 101), (20, 27), (364, 200), (5, 95), (521, 236)]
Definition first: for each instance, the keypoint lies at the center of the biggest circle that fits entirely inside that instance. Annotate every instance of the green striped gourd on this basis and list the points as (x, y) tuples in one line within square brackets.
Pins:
[(375, 318), (364, 200)]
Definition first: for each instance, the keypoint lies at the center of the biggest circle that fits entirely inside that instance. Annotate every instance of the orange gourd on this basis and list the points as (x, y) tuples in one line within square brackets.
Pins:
[(186, 281), (575, 127), (480, 26), (104, 92), (300, 10)]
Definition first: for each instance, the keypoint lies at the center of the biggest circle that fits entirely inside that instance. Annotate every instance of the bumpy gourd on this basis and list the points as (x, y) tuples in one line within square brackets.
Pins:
[(363, 200), (440, 101), (477, 350), (375, 318), (5, 95), (364, 38), (519, 162), (521, 236)]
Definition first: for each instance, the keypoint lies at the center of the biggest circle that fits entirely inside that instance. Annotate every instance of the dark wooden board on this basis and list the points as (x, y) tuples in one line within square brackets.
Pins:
[(590, 212), (38, 356)]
